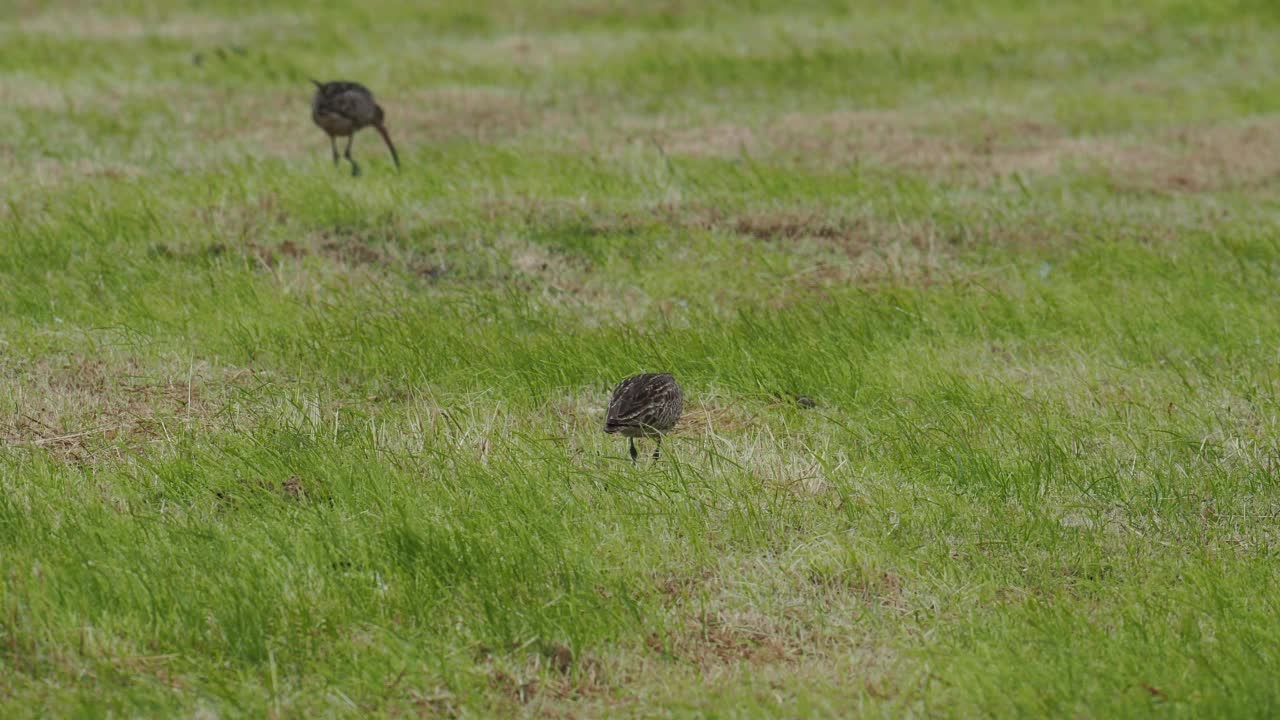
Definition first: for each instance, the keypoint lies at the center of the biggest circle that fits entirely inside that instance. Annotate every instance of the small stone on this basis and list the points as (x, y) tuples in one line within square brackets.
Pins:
[(562, 659), (1076, 519), (293, 486)]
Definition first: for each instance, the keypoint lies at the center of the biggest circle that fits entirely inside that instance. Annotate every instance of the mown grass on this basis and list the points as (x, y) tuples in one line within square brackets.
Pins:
[(279, 441)]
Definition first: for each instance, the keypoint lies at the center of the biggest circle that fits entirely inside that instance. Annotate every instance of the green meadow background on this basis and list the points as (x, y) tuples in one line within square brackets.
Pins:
[(276, 441)]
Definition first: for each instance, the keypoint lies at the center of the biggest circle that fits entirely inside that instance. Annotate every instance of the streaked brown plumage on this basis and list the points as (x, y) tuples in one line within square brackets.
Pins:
[(647, 405), (342, 109)]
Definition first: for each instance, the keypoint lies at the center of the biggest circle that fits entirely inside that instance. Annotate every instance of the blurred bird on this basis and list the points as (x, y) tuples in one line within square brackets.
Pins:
[(342, 109), (647, 405)]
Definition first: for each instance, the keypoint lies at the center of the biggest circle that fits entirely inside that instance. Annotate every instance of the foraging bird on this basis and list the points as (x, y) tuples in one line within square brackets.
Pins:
[(342, 109), (645, 405)]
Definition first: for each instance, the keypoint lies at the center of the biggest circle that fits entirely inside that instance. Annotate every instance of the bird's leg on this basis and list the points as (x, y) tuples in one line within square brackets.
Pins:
[(333, 143), (657, 448), (355, 169), (634, 454)]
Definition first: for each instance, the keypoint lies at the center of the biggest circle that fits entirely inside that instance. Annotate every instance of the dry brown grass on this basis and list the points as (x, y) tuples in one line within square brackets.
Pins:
[(460, 113), (716, 638), (1243, 156), (92, 25), (849, 230), (84, 409), (212, 124), (812, 250), (372, 251), (1191, 159)]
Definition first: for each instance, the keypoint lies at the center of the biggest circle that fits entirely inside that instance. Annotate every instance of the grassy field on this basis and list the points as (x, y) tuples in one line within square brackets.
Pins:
[(276, 441)]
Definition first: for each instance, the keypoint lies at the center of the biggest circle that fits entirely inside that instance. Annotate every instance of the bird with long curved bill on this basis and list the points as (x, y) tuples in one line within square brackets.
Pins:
[(344, 108), (646, 405)]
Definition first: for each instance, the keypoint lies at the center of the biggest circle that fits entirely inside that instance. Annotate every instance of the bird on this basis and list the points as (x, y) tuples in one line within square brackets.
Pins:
[(645, 405), (342, 109)]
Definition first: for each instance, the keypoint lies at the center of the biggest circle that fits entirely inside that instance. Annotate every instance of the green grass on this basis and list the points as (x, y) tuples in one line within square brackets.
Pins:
[(277, 441)]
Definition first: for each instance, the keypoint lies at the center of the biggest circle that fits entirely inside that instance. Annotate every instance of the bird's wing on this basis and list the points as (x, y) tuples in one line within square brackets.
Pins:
[(636, 400), (351, 101)]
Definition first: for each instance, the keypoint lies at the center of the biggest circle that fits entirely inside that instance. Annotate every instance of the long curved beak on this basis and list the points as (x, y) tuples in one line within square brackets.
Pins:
[(382, 130)]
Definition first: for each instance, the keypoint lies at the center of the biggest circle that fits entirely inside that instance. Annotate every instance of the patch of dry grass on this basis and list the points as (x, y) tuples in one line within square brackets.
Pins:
[(1203, 158), (93, 25), (77, 408)]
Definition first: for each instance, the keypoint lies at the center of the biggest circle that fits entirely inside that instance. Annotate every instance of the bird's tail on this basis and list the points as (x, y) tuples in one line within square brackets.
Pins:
[(382, 130), (612, 425), (318, 84)]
